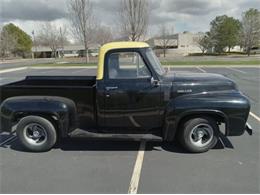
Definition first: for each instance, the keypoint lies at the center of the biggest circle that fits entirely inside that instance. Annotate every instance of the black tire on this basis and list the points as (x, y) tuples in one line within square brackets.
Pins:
[(46, 129), (190, 137)]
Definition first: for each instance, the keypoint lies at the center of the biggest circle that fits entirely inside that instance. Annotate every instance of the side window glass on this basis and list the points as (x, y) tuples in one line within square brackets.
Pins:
[(127, 65)]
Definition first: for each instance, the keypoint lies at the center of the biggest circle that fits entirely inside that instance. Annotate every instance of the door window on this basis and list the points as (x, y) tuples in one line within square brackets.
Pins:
[(127, 65)]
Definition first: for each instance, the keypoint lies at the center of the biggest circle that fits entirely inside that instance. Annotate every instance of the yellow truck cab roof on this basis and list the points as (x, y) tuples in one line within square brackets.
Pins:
[(114, 45)]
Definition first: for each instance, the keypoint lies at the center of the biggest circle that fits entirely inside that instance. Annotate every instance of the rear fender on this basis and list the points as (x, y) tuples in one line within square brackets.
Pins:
[(58, 109)]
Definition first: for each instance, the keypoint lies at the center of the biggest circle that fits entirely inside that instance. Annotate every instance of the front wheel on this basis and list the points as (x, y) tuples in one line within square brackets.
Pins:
[(199, 134), (36, 133)]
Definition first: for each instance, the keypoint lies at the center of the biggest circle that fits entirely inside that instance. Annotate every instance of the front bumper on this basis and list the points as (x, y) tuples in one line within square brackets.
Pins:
[(249, 129)]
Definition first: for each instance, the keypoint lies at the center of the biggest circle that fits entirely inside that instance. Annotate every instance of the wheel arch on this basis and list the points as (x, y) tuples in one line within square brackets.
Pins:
[(58, 110), (178, 120)]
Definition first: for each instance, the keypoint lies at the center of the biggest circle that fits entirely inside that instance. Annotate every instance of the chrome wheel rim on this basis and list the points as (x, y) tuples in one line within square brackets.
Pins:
[(35, 134), (201, 135)]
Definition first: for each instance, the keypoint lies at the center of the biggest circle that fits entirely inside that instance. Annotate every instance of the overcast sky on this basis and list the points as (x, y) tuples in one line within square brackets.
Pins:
[(184, 15)]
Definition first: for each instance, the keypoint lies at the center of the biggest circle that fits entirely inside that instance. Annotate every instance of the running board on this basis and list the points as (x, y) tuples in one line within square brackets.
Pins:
[(79, 133)]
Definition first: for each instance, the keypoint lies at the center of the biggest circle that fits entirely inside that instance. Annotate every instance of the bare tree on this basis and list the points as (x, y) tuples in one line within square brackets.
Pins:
[(7, 43), (62, 39), (81, 16), (165, 37), (134, 18), (49, 37), (204, 42), (52, 36), (102, 34), (250, 29)]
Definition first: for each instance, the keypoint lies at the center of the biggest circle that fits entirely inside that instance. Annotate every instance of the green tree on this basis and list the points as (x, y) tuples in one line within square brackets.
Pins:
[(225, 32), (250, 29), (24, 41), (7, 43)]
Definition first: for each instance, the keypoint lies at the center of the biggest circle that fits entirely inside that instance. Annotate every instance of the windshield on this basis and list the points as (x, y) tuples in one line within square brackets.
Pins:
[(154, 61)]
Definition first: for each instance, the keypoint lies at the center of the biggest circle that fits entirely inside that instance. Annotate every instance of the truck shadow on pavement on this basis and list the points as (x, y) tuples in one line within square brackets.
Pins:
[(4, 137), (175, 147), (106, 145)]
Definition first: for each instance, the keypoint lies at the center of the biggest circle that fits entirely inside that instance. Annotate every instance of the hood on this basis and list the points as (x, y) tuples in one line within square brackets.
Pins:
[(185, 76), (200, 82)]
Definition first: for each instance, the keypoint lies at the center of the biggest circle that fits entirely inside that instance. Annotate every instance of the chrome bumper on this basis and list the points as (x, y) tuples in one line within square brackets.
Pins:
[(249, 129)]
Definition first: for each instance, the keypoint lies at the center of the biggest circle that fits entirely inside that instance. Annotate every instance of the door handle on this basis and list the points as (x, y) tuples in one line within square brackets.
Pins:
[(111, 88)]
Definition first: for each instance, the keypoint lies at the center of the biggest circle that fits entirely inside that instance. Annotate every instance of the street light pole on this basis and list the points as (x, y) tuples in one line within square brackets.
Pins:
[(34, 43), (62, 42)]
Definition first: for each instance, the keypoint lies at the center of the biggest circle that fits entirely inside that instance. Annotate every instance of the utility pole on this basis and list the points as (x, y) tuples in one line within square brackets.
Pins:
[(35, 45), (62, 42)]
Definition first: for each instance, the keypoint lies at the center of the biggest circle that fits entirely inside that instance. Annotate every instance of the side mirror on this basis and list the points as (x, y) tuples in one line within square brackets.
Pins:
[(155, 82)]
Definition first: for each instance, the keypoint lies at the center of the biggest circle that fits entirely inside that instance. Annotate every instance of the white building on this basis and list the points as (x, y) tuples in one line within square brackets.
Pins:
[(66, 51), (179, 44)]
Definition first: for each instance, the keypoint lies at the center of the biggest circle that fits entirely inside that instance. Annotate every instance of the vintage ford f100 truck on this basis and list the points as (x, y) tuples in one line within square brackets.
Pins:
[(132, 97)]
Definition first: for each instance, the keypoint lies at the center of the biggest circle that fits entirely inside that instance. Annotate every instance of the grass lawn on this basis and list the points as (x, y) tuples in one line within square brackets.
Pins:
[(172, 63)]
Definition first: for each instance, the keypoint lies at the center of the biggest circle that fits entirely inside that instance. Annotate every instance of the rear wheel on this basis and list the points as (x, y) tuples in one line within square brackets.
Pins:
[(199, 134), (36, 133)]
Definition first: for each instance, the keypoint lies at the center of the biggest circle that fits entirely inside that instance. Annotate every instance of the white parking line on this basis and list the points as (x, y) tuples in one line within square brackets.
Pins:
[(220, 139), (200, 69), (46, 71), (133, 187), (255, 116), (12, 69), (10, 139), (78, 71), (236, 70)]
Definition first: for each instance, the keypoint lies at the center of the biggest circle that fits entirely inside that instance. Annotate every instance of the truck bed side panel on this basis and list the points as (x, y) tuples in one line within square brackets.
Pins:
[(80, 90)]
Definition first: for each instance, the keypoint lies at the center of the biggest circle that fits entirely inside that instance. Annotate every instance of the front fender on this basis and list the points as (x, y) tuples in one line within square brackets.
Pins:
[(232, 107), (61, 109)]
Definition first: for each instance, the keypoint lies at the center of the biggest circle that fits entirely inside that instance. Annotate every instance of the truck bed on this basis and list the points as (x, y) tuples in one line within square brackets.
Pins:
[(51, 81), (80, 89)]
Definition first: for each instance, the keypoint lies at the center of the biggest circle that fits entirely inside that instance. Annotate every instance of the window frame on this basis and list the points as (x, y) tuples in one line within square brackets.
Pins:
[(133, 50)]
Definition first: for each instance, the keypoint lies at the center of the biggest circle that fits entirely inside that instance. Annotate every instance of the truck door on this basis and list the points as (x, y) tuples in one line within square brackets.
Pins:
[(131, 100)]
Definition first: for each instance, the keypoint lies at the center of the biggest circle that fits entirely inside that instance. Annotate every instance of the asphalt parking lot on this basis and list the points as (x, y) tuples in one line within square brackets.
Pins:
[(80, 166)]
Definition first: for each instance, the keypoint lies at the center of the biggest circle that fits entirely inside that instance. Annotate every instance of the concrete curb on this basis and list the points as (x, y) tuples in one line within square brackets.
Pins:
[(61, 67)]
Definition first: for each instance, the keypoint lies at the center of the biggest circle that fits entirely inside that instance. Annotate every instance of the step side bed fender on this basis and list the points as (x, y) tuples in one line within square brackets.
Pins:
[(61, 111)]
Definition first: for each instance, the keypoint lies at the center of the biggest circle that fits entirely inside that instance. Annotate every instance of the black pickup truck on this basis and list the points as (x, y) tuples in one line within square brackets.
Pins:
[(132, 98)]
